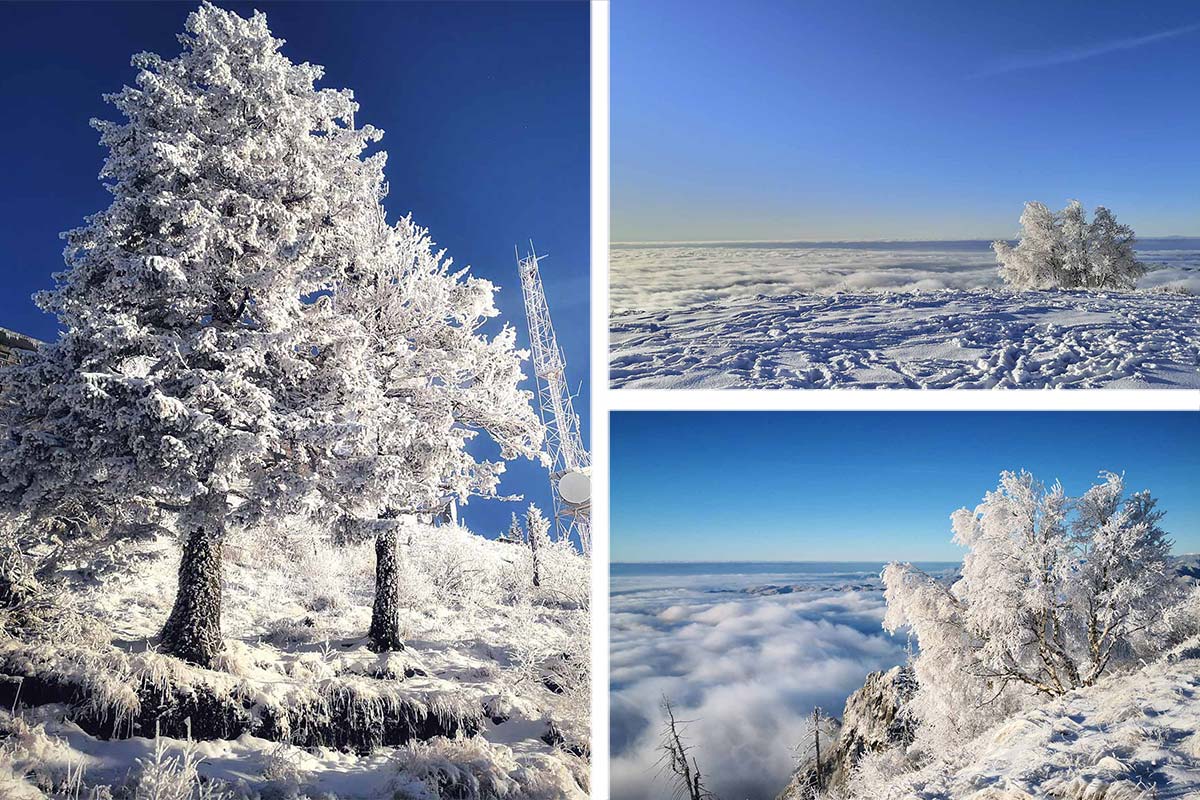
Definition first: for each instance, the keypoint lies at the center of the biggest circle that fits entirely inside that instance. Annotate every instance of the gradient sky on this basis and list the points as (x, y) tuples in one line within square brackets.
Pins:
[(869, 486), (484, 108), (935, 119)]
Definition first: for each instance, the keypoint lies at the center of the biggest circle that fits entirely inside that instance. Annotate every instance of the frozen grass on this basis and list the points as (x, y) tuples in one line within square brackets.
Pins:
[(489, 698)]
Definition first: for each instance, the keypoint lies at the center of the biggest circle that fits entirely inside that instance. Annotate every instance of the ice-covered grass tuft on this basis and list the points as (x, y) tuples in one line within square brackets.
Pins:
[(473, 769)]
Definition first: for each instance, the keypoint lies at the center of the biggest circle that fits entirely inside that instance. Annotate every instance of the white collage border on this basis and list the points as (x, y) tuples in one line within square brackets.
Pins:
[(603, 400)]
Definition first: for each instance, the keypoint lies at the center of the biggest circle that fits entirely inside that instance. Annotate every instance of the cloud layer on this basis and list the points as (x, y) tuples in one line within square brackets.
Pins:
[(670, 277), (745, 669)]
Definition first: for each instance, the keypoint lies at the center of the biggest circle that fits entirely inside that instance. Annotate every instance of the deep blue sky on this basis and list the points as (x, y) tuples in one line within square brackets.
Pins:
[(869, 486), (934, 119), (484, 108)]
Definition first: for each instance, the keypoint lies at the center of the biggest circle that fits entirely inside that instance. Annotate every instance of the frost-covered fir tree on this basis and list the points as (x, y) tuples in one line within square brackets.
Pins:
[(1064, 250), (537, 528), (441, 382), (1053, 592), (200, 353)]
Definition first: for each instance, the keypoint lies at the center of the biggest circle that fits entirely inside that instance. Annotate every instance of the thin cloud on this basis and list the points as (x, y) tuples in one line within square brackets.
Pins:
[(1074, 54)]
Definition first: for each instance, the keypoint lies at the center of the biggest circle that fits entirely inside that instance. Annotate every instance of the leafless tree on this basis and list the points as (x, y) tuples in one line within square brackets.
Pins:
[(684, 773)]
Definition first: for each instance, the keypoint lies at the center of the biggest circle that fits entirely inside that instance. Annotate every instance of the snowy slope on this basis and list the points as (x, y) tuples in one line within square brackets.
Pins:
[(1130, 736), (495, 662), (954, 338)]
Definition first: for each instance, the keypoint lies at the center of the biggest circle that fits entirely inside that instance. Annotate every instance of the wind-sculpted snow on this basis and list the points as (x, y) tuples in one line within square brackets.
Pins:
[(1129, 737), (746, 665), (983, 338)]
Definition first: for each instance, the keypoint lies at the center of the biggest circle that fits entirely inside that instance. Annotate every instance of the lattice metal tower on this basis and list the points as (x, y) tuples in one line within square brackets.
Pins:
[(571, 464)]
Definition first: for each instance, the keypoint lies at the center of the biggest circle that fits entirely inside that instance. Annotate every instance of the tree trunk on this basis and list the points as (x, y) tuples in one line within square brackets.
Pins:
[(385, 614), (193, 631), (537, 561)]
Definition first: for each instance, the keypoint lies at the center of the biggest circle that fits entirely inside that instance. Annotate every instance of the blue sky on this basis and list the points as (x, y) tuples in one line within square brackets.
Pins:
[(869, 486), (484, 108), (936, 119)]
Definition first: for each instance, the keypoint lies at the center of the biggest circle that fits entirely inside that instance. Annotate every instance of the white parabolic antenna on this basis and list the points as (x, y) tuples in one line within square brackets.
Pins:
[(575, 488)]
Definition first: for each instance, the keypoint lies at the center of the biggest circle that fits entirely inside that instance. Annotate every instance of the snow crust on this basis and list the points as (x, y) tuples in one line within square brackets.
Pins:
[(951, 338)]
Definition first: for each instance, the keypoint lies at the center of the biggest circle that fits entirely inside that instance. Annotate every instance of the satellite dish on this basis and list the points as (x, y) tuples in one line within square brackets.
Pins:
[(575, 488)]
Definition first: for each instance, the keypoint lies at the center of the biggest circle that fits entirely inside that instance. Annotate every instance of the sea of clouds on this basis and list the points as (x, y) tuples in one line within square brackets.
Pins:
[(745, 668), (671, 276)]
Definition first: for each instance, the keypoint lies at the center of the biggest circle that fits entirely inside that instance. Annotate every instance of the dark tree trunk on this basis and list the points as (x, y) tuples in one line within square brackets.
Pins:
[(385, 614), (537, 561), (193, 631)]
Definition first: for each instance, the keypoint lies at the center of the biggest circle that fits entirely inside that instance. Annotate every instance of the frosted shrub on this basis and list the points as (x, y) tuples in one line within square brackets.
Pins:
[(33, 762), (173, 777), (1181, 621), (1064, 250), (463, 769), (566, 575), (281, 765), (1054, 592), (473, 769)]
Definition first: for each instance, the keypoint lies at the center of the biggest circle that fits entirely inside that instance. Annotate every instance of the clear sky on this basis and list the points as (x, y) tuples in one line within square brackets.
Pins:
[(869, 486), (932, 119), (484, 108)]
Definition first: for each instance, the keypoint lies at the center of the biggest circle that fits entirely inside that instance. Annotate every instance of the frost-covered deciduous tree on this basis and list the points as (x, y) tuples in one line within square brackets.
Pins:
[(537, 529), (1076, 245), (1064, 250), (201, 353), (441, 381), (1113, 262), (1037, 260), (1053, 592)]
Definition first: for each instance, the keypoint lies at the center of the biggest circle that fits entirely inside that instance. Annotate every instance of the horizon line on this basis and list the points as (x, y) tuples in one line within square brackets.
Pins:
[(818, 561), (856, 241)]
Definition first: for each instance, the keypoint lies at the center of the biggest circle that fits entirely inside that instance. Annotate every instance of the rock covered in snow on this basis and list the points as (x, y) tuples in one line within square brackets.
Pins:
[(874, 719)]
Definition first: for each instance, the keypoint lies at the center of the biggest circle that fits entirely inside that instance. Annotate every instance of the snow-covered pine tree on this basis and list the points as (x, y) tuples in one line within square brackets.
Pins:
[(1114, 264), (537, 528), (197, 338), (1053, 593), (441, 380), (515, 533)]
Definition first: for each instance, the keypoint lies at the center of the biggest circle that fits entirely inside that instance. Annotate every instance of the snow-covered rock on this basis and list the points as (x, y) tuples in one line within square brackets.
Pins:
[(874, 720)]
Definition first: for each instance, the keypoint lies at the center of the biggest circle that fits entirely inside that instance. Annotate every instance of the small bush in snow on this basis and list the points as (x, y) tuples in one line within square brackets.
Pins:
[(1064, 250)]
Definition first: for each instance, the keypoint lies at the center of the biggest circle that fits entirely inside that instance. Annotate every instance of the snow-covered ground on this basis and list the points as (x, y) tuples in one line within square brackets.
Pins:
[(483, 647), (897, 315), (1133, 736)]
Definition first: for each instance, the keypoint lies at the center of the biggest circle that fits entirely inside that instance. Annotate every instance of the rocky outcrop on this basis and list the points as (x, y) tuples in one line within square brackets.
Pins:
[(875, 718)]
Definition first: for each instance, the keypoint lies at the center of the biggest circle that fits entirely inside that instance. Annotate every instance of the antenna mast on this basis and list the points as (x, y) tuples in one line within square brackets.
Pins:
[(571, 464)]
